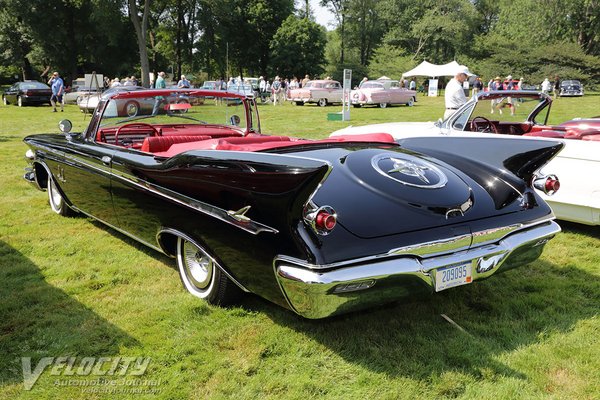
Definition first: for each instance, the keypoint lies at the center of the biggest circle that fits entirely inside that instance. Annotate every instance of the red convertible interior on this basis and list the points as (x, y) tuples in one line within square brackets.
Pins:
[(167, 141), (576, 130)]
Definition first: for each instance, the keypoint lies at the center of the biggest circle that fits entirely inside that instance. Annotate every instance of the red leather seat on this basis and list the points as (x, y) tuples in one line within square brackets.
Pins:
[(163, 143), (548, 134), (365, 137), (214, 132), (580, 134), (233, 142), (592, 138)]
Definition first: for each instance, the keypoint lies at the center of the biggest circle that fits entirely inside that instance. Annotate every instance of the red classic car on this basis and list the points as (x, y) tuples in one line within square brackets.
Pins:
[(382, 92)]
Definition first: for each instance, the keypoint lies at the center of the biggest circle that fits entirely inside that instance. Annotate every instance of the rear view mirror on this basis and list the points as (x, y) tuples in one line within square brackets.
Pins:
[(65, 126)]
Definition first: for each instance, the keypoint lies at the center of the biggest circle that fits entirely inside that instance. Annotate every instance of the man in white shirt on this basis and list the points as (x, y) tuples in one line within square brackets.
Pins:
[(455, 94)]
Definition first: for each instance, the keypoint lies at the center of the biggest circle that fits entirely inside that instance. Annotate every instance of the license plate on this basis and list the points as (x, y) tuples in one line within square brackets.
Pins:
[(453, 275)]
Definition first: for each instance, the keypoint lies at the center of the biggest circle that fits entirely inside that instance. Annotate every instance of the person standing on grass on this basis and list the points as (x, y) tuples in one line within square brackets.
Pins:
[(183, 83), (454, 93), (58, 89), (556, 86), (160, 81)]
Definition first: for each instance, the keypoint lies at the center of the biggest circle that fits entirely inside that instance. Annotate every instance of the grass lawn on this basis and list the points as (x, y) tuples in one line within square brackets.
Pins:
[(74, 288)]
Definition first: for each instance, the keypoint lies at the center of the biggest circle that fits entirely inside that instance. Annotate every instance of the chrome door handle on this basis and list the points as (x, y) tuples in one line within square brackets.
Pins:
[(106, 160)]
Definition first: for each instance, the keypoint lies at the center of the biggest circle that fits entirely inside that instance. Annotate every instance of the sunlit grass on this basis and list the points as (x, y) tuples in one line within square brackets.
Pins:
[(72, 287)]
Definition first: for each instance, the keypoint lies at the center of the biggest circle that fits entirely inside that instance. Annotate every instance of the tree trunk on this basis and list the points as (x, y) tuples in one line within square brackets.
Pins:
[(141, 28)]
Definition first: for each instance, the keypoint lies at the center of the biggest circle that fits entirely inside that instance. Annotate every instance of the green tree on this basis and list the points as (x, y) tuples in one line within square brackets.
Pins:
[(339, 8), (298, 48), (390, 61), (71, 36)]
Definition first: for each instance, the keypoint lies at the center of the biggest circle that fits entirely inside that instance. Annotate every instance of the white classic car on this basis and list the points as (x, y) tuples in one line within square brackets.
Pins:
[(322, 92), (382, 92), (522, 115)]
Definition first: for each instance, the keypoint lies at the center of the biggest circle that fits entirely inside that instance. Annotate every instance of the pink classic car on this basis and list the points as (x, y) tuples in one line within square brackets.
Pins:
[(382, 92), (322, 92)]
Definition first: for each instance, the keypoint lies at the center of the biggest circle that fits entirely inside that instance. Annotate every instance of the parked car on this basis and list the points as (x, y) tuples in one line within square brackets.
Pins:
[(87, 102), (382, 92), (212, 85), (321, 92), (571, 87), (77, 89), (490, 113), (245, 89), (321, 227), (27, 93)]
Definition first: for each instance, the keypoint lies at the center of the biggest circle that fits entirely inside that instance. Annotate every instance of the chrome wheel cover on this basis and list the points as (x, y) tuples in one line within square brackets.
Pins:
[(196, 267), (131, 109), (56, 200)]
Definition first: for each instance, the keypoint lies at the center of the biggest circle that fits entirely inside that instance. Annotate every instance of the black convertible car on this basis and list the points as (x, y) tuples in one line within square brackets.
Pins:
[(321, 227)]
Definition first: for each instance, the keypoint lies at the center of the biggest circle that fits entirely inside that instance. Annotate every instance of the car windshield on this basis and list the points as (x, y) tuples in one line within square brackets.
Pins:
[(313, 84), (179, 108), (33, 85), (371, 85), (503, 109)]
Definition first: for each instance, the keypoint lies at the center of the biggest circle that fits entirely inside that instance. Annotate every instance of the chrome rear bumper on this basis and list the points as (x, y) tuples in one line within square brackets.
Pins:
[(318, 293)]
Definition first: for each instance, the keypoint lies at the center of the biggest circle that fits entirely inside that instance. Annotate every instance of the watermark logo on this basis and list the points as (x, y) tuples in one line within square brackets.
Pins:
[(84, 366)]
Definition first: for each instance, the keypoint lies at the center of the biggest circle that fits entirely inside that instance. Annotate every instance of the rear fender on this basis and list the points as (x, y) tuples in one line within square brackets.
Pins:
[(514, 161), (275, 186)]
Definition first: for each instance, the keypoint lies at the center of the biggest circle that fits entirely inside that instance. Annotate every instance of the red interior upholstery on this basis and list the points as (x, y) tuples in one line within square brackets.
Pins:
[(537, 128), (548, 134), (260, 142), (212, 131), (592, 138), (163, 143), (233, 142), (580, 134)]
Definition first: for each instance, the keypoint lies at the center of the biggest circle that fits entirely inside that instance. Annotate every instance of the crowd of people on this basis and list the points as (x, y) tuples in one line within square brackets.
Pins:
[(277, 91), (455, 90), (127, 81)]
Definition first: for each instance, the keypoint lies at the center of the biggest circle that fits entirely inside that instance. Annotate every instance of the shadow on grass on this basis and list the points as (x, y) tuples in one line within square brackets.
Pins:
[(411, 339), (508, 312), (8, 138), (588, 230), (39, 320)]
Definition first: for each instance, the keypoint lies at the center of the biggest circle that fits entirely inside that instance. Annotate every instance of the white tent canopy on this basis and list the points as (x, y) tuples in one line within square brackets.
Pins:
[(433, 70)]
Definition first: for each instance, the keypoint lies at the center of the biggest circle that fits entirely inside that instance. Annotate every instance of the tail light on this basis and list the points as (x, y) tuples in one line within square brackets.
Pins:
[(547, 184), (322, 219), (325, 221)]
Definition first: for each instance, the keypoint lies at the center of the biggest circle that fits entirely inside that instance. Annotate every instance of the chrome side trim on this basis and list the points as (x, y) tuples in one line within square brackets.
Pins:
[(250, 226), (318, 294)]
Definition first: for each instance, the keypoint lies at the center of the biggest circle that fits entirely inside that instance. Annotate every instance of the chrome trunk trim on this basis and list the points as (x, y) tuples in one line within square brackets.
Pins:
[(315, 293)]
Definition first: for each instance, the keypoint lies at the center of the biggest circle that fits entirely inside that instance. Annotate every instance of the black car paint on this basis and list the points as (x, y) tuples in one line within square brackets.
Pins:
[(27, 96), (149, 197)]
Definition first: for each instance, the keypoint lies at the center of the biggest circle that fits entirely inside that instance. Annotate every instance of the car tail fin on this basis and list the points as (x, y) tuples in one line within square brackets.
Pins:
[(521, 156)]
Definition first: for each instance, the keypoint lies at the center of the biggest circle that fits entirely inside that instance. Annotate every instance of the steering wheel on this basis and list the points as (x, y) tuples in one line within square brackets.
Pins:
[(482, 124), (136, 124)]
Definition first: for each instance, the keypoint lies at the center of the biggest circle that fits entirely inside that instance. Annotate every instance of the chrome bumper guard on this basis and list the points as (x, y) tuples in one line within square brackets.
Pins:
[(29, 177), (315, 293)]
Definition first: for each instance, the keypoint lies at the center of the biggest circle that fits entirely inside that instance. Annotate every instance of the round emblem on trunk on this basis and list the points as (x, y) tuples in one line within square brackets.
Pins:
[(409, 170)]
